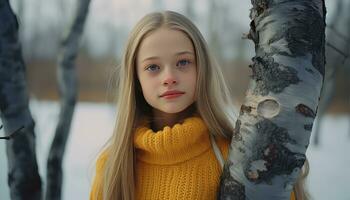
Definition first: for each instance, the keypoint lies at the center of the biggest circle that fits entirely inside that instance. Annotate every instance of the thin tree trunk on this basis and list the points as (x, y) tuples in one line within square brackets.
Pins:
[(67, 79), (23, 177), (274, 126)]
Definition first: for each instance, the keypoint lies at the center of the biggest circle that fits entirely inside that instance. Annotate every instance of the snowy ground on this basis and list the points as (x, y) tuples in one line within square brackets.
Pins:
[(93, 123)]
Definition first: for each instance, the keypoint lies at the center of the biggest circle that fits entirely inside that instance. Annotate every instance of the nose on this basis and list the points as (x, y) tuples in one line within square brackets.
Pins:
[(169, 78), (169, 81)]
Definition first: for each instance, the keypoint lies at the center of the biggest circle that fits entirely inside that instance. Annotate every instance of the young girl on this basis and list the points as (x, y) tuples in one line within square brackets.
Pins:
[(173, 111)]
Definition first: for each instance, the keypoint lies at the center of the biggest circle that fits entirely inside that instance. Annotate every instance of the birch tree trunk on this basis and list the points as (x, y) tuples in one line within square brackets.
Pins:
[(274, 126), (67, 80), (23, 177)]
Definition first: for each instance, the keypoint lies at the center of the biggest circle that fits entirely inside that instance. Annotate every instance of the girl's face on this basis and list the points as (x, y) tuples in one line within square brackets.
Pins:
[(166, 68)]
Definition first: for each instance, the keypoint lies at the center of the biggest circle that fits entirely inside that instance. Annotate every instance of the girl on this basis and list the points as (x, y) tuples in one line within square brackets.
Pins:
[(172, 114)]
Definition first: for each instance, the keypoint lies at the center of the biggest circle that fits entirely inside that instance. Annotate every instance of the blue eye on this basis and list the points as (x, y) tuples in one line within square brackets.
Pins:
[(153, 68), (183, 63)]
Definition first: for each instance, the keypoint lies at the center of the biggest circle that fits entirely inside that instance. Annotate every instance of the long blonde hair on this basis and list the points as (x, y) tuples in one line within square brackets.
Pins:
[(212, 100)]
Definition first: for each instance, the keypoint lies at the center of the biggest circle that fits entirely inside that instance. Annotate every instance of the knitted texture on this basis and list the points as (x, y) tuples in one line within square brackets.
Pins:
[(175, 163)]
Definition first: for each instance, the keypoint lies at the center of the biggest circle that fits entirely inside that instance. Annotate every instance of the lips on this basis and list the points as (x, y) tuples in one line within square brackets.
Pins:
[(172, 93)]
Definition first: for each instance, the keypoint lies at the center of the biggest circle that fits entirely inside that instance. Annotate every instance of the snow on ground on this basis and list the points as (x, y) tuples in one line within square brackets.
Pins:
[(93, 124), (329, 163)]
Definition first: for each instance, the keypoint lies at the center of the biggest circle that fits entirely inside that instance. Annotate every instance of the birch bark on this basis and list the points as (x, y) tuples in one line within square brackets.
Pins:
[(275, 121), (68, 86), (23, 177)]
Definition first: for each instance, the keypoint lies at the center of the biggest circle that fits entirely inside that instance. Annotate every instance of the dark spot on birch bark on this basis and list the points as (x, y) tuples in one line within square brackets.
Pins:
[(241, 150), (245, 109), (252, 33), (271, 76), (310, 70), (237, 134), (271, 151), (308, 127), (276, 134), (252, 26), (305, 110), (260, 5), (302, 36), (229, 187)]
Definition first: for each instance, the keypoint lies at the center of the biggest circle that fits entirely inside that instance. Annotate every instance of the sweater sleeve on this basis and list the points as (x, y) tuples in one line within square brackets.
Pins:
[(97, 185)]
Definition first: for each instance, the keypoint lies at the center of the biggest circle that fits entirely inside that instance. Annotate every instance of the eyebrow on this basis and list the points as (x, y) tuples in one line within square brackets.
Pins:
[(177, 54)]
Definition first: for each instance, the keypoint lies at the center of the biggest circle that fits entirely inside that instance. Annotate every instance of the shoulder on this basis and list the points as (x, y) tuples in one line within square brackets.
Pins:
[(97, 186), (101, 160)]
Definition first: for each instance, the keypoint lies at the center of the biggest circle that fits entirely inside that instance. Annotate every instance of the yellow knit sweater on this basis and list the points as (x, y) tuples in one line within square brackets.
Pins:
[(175, 163)]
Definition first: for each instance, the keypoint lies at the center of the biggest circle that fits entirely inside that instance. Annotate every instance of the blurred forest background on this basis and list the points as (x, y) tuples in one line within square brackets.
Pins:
[(222, 22), (44, 22)]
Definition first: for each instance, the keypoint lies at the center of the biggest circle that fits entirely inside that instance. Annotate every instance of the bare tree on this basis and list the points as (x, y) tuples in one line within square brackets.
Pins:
[(67, 79), (23, 177), (274, 126)]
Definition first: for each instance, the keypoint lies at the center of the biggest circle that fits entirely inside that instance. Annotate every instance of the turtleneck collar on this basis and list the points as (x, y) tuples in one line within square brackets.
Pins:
[(172, 144)]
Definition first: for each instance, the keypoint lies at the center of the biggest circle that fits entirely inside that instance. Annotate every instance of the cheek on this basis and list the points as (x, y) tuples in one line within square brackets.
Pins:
[(147, 87)]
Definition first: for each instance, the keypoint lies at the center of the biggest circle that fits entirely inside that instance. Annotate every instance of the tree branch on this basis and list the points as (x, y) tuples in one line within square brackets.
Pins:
[(11, 135)]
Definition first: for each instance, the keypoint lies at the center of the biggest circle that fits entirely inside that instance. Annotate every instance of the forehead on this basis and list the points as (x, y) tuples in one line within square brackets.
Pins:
[(164, 41)]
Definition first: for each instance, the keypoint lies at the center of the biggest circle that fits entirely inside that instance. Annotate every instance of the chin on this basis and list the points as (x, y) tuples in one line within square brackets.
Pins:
[(174, 110)]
